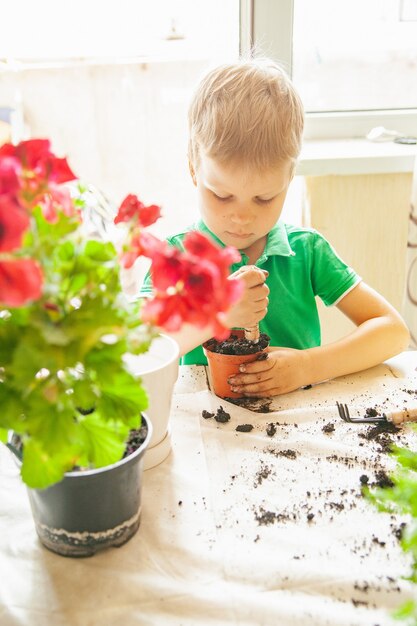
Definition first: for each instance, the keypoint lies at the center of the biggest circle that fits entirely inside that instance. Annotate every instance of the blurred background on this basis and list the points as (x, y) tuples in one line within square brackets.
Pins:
[(109, 82)]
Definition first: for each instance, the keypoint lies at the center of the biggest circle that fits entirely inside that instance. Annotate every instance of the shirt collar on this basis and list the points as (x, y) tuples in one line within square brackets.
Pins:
[(277, 242)]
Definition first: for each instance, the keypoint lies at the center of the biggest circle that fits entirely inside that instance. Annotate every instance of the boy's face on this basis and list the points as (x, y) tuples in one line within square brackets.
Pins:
[(239, 206)]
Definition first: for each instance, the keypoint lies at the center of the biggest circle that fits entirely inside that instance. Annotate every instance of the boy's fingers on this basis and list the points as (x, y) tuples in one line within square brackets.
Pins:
[(252, 275)]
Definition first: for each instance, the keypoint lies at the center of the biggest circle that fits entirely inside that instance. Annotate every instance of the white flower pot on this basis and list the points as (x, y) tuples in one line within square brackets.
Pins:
[(158, 369)]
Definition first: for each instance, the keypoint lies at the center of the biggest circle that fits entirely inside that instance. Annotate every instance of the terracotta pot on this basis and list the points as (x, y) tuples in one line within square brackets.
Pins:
[(222, 366)]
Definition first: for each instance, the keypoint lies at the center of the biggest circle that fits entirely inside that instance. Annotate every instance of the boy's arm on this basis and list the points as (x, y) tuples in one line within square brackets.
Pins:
[(189, 337), (380, 334)]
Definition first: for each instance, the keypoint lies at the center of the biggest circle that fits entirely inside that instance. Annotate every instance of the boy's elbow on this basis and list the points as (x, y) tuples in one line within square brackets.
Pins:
[(402, 334)]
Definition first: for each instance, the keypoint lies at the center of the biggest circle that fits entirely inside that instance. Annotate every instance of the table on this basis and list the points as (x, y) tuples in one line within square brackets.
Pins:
[(238, 528)]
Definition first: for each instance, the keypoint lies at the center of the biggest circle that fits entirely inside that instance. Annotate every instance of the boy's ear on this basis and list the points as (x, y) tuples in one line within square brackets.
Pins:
[(192, 172)]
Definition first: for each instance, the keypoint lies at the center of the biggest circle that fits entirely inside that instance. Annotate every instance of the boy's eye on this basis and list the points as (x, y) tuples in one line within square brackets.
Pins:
[(221, 198)]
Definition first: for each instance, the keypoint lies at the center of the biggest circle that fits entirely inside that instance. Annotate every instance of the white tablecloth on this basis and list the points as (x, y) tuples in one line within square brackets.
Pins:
[(237, 528)]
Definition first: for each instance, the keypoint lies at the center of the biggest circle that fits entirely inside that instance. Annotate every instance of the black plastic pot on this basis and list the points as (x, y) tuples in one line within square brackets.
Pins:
[(91, 510)]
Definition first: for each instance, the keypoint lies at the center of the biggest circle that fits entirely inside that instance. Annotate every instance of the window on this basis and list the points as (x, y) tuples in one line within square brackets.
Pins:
[(46, 30), (354, 55), (354, 62)]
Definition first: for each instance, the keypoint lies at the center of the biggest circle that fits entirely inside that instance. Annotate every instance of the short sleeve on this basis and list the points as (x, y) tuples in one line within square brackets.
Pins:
[(331, 277), (147, 289)]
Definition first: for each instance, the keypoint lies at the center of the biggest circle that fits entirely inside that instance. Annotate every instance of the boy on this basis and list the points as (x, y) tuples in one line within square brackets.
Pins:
[(246, 122)]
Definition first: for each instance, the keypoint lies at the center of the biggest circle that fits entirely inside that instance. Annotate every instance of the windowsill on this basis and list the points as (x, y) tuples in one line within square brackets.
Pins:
[(72, 62), (354, 156)]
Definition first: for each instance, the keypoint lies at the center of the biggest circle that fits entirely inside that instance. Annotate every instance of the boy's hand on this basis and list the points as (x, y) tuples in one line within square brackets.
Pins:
[(283, 371), (253, 305)]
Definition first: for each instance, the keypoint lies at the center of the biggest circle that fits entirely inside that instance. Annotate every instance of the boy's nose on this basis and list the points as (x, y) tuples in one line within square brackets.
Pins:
[(241, 216)]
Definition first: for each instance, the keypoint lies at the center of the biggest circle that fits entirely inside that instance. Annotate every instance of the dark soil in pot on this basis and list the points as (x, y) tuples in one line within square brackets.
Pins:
[(236, 344)]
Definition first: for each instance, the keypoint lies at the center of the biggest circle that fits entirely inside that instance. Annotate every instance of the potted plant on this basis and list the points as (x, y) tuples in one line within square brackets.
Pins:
[(225, 355), (74, 408)]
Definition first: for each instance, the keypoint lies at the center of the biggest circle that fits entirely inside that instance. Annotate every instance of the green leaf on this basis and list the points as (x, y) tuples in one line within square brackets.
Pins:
[(84, 396), (123, 398), (103, 442), (406, 457), (31, 354), (53, 426), (106, 354), (4, 435), (9, 339), (11, 407), (409, 541), (100, 251), (65, 251), (76, 284), (51, 233), (406, 610), (39, 469)]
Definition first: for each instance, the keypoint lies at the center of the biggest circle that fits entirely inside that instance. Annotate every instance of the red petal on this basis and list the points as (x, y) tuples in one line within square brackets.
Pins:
[(128, 209), (9, 175), (60, 171), (149, 214), (14, 221), (20, 282)]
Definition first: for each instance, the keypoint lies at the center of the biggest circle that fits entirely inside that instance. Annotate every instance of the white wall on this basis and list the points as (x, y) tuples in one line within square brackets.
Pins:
[(123, 128)]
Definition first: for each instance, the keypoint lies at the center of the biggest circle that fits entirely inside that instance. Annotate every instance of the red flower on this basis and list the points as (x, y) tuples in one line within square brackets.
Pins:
[(192, 288), (193, 285), (57, 199), (152, 246), (14, 221), (133, 252), (35, 155), (167, 269), (20, 282), (132, 208), (39, 167), (168, 312), (142, 244), (9, 176), (199, 245)]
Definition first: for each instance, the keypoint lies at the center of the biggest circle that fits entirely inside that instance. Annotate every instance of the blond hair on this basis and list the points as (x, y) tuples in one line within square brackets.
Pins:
[(248, 113)]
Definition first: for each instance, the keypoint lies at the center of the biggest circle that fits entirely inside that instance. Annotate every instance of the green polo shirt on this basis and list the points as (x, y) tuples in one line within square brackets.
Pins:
[(302, 265)]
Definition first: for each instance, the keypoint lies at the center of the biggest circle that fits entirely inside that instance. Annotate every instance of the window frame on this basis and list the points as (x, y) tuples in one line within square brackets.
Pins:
[(266, 26)]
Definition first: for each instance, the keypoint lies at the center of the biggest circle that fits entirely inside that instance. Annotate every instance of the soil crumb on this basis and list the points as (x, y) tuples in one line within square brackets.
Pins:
[(257, 405), (222, 416), (383, 480), (381, 434), (271, 429), (261, 474), (383, 427), (244, 428)]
